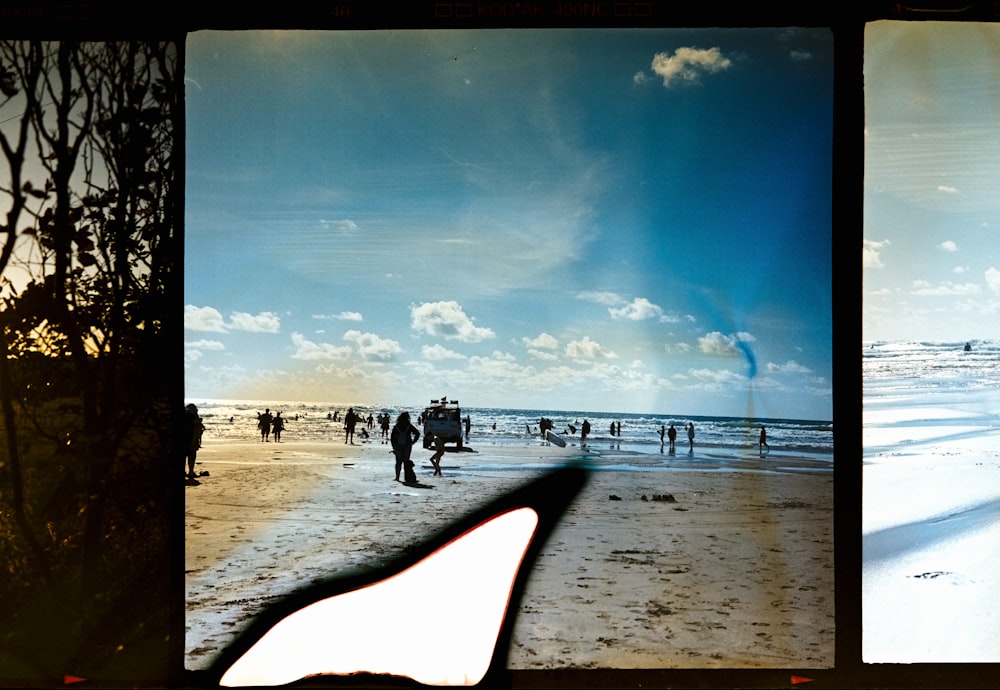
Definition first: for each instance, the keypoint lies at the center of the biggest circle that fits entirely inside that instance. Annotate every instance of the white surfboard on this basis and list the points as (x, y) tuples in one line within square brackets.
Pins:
[(554, 438)]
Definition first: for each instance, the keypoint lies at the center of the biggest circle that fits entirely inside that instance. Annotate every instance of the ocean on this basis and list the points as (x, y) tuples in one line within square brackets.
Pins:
[(716, 438), (890, 368)]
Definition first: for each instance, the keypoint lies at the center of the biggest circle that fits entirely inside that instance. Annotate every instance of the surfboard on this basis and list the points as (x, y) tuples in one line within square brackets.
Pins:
[(554, 438)]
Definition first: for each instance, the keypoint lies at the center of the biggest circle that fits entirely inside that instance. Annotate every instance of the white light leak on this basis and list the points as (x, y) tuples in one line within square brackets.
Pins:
[(436, 622)]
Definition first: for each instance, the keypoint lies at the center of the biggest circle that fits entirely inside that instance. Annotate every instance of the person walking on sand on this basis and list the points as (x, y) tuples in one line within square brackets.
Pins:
[(264, 424), (438, 454), (194, 427), (690, 437), (763, 442), (277, 426), (350, 421), (403, 436), (672, 435)]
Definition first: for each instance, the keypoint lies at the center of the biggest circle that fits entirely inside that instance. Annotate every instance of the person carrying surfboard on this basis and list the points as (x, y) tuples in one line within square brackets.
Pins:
[(403, 436)]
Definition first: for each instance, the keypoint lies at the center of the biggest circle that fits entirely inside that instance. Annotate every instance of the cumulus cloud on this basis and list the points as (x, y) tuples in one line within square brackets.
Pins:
[(373, 347), (542, 341), (687, 65), (992, 277), (639, 309), (209, 319), (447, 320), (438, 352), (308, 350), (587, 349), (264, 322), (203, 319), (716, 343), (948, 246), (870, 257)]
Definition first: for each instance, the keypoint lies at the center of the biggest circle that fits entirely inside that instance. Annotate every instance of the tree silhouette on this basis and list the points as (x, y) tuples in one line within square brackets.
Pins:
[(90, 266)]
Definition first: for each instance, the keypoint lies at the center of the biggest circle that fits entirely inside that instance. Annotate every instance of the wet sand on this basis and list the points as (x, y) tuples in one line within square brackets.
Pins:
[(735, 572)]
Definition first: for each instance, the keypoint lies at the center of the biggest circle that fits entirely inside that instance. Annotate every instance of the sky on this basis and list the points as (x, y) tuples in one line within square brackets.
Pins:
[(607, 220), (932, 163)]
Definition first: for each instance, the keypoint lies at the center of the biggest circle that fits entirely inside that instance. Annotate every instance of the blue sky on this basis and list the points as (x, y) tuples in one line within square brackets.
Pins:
[(605, 220), (932, 163)]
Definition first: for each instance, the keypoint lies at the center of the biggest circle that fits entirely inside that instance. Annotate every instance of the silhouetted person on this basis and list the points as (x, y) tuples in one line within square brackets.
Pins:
[(468, 426), (193, 429), (350, 421), (672, 435), (690, 437), (618, 431), (438, 454), (264, 424), (277, 426), (584, 431), (403, 436), (663, 430), (763, 441)]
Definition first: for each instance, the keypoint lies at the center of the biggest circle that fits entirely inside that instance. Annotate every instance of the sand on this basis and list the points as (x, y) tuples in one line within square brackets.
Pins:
[(736, 572), (931, 530)]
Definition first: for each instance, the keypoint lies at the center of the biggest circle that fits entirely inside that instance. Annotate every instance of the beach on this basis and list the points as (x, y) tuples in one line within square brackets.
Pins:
[(731, 566), (931, 504)]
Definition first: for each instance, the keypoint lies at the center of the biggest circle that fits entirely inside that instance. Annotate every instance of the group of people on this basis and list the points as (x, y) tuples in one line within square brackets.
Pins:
[(671, 434), (270, 425)]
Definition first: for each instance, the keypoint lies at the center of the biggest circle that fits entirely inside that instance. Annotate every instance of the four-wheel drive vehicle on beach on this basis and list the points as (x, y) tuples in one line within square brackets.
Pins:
[(444, 419)]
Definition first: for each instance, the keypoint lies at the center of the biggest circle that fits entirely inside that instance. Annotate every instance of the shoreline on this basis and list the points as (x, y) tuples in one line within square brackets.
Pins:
[(736, 572)]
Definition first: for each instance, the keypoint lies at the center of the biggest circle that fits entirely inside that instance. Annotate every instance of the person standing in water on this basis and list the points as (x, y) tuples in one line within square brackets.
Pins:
[(403, 436), (690, 437), (763, 441)]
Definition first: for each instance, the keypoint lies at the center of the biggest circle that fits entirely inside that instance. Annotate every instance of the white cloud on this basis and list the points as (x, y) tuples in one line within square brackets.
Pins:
[(345, 225), (264, 322), (992, 277), (870, 257), (799, 55), (789, 367), (342, 316), (438, 352), (587, 349), (639, 309), (447, 320), (308, 350), (203, 319), (205, 345), (948, 246), (209, 319), (542, 340), (924, 289), (947, 189), (687, 65), (373, 347), (717, 343), (608, 299)]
